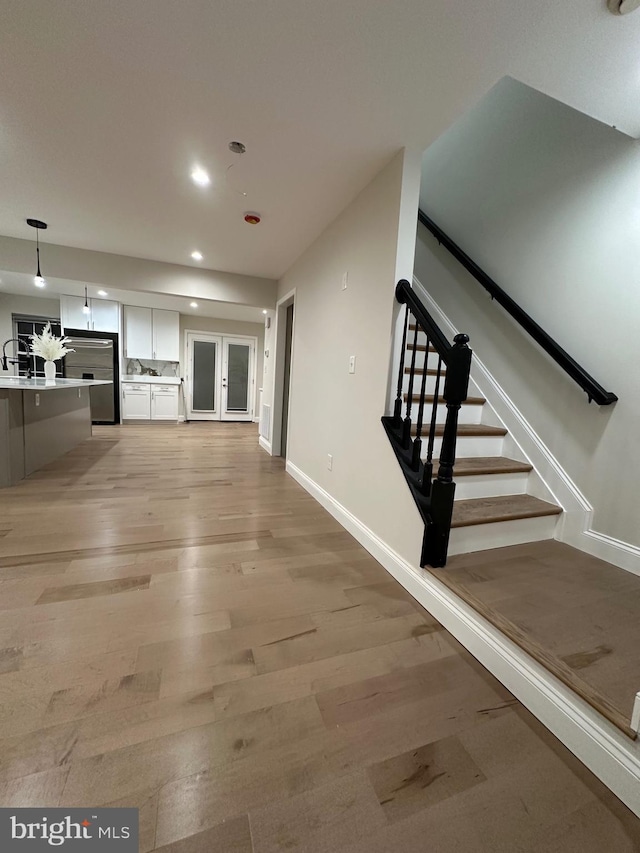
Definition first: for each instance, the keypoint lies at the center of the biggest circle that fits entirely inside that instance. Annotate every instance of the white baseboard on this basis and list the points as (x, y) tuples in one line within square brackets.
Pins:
[(610, 755), (265, 445), (574, 526)]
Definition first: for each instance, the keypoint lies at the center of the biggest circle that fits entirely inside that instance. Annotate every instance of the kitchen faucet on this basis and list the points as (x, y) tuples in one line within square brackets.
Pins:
[(5, 361)]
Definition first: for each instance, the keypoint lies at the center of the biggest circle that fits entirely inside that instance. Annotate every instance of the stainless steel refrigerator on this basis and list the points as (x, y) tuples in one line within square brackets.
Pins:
[(96, 357)]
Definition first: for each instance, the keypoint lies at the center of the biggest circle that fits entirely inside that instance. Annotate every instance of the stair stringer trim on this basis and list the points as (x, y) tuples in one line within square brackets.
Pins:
[(575, 524), (604, 749)]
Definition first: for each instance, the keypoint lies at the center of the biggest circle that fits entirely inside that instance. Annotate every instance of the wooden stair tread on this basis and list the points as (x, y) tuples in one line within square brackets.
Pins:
[(466, 467), (470, 401), (464, 430), (504, 508)]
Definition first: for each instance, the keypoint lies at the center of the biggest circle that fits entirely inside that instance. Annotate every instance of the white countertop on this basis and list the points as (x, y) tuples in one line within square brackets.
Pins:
[(21, 383), (151, 380)]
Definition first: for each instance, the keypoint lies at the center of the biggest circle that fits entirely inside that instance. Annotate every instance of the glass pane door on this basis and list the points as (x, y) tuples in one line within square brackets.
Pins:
[(237, 379), (203, 379)]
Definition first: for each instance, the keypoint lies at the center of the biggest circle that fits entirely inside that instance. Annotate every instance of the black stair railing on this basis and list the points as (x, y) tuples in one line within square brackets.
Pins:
[(592, 389), (449, 365)]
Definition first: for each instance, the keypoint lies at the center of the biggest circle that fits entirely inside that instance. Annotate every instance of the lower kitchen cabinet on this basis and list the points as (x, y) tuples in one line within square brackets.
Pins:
[(136, 401), (142, 401), (164, 402)]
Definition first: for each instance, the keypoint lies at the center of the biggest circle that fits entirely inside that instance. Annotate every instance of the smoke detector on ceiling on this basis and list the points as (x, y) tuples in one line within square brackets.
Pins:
[(237, 147), (622, 7)]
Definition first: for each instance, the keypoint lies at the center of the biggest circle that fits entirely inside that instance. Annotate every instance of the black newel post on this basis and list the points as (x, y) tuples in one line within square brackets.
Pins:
[(443, 488)]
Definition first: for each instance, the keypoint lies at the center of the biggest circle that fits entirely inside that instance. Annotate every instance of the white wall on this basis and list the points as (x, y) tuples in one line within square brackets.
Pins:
[(226, 327), (547, 201), (11, 304), (331, 411)]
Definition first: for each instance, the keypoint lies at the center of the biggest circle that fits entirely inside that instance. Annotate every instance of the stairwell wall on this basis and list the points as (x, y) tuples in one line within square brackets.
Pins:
[(335, 412), (547, 201)]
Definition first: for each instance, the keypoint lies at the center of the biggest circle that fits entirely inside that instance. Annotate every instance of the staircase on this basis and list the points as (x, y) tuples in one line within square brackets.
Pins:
[(499, 499), (485, 493)]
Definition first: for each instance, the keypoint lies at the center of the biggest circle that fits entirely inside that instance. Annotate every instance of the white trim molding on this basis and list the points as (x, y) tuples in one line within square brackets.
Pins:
[(605, 750), (264, 444), (574, 525)]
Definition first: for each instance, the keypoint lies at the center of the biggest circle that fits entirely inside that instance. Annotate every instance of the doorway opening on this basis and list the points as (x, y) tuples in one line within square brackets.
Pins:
[(286, 379), (219, 377), (284, 351)]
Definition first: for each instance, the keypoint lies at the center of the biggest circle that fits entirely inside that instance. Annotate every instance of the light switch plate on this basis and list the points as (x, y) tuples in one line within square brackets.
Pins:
[(352, 364), (345, 280)]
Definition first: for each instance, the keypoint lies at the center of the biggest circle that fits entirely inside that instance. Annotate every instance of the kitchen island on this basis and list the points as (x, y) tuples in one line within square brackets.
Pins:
[(41, 420)]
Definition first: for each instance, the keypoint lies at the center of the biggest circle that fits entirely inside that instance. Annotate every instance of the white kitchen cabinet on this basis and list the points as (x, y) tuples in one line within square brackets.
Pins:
[(136, 401), (166, 335), (164, 402), (151, 334), (138, 332), (71, 314), (105, 315)]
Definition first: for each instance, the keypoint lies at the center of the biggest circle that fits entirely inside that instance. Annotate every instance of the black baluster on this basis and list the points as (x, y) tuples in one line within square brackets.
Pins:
[(406, 430), (397, 412), (443, 488), (427, 475), (417, 442)]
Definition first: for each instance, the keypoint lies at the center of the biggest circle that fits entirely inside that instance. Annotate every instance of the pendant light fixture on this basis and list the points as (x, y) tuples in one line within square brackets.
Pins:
[(85, 307), (39, 225)]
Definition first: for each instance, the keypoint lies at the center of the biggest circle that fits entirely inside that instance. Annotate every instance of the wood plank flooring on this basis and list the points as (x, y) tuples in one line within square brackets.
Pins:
[(184, 630), (574, 613)]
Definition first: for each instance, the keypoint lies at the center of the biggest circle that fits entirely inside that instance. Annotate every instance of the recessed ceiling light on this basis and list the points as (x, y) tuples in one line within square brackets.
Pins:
[(102, 293), (200, 176), (193, 304), (264, 310), (197, 256)]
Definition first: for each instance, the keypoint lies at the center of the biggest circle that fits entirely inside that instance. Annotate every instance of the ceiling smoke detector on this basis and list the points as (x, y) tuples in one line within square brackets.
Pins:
[(237, 147), (622, 7)]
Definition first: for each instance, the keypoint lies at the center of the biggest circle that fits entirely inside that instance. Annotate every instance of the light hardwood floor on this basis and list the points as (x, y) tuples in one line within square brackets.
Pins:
[(184, 630)]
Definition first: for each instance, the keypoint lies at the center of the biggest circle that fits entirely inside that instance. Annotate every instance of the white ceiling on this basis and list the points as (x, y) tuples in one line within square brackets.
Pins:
[(105, 108)]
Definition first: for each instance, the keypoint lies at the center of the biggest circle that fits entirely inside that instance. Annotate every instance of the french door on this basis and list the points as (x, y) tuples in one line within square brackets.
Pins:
[(220, 380)]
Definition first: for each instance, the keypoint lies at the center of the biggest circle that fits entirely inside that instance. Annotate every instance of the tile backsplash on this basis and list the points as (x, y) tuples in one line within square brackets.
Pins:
[(142, 367)]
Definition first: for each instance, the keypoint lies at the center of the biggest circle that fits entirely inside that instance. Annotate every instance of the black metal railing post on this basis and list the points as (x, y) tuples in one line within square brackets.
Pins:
[(406, 427), (443, 488), (397, 411), (417, 442)]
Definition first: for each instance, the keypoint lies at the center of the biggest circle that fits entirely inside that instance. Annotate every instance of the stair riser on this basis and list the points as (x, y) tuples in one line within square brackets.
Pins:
[(432, 361), (431, 385), (482, 537), (467, 414), (490, 485), (481, 445)]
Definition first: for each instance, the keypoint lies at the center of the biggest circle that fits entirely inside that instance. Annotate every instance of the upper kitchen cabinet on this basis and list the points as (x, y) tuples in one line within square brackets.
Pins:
[(151, 333), (166, 335), (138, 332), (103, 315)]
